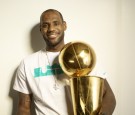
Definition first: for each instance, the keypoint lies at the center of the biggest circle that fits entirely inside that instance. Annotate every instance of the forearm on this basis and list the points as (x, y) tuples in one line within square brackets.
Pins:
[(108, 102)]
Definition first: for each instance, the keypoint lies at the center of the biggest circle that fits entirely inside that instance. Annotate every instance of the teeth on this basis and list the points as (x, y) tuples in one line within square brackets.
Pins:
[(52, 35)]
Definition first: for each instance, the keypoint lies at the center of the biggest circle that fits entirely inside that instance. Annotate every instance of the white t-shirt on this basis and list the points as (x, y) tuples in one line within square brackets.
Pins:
[(41, 75)]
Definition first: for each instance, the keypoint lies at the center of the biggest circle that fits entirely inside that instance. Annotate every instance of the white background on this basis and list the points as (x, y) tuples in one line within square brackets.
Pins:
[(107, 25)]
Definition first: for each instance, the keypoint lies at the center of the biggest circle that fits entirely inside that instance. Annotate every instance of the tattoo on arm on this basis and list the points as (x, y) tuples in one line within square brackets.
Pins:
[(24, 106)]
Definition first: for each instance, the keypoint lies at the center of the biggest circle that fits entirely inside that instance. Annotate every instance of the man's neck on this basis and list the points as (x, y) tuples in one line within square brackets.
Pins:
[(56, 48)]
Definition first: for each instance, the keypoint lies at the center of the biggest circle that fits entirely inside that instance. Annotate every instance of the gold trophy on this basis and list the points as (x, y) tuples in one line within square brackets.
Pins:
[(77, 60)]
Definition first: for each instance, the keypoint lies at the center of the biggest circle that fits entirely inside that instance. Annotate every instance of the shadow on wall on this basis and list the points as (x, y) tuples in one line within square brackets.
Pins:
[(36, 43)]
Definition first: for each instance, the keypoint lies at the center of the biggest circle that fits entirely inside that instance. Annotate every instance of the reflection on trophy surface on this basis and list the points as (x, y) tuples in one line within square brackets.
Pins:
[(77, 60)]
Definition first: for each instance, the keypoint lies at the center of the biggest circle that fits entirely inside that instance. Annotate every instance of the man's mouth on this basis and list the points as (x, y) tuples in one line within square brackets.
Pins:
[(52, 36)]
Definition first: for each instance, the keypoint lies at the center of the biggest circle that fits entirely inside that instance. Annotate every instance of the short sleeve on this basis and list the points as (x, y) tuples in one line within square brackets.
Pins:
[(21, 83)]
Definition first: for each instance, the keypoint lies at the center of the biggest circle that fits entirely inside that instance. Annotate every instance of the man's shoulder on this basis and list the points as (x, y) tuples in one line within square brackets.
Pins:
[(34, 56)]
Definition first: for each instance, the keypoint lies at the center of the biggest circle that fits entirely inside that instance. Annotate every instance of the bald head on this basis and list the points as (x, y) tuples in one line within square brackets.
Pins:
[(53, 11)]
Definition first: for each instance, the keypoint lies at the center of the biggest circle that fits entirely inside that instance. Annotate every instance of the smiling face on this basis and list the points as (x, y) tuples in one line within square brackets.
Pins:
[(52, 28)]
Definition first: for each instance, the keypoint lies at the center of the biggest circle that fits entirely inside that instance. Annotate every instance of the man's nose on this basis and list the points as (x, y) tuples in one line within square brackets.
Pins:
[(51, 27)]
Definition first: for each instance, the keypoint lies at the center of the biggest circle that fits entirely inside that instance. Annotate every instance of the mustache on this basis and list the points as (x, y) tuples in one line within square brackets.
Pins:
[(52, 32)]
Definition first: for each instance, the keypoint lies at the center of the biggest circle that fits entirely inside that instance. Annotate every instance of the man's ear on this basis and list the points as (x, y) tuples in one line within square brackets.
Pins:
[(65, 25), (40, 28)]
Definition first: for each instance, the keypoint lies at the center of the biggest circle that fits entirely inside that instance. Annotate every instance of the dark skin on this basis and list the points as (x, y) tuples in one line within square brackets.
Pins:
[(109, 101), (52, 27), (24, 105)]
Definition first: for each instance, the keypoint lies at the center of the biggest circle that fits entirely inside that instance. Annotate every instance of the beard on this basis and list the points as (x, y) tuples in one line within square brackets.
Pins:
[(56, 41)]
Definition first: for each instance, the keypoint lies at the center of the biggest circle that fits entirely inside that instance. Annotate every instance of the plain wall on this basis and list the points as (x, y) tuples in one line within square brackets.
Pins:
[(107, 25)]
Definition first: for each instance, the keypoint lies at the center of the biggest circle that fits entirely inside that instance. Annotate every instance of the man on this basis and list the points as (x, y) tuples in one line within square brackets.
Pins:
[(39, 76)]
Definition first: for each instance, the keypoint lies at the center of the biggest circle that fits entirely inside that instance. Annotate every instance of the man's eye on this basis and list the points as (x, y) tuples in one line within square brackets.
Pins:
[(56, 23), (44, 25)]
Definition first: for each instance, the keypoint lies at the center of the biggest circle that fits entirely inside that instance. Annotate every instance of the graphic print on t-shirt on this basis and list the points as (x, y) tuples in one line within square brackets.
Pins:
[(55, 69)]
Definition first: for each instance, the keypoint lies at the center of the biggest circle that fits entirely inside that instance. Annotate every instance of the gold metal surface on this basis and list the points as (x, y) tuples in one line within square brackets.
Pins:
[(87, 92), (77, 59)]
